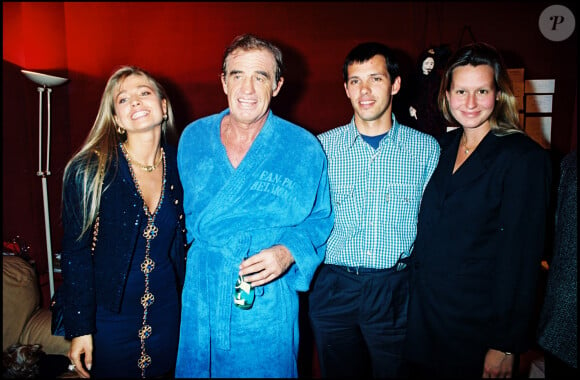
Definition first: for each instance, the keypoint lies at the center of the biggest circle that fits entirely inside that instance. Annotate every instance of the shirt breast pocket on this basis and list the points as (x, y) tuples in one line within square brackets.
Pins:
[(345, 209), (404, 201)]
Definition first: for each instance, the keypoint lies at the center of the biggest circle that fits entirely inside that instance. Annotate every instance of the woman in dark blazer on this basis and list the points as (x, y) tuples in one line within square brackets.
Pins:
[(481, 230), (122, 290)]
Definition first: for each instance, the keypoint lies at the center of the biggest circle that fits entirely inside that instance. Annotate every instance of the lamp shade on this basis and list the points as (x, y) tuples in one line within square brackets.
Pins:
[(44, 79)]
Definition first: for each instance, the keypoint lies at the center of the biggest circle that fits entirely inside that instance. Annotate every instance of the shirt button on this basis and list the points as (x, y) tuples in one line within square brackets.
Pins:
[(176, 201)]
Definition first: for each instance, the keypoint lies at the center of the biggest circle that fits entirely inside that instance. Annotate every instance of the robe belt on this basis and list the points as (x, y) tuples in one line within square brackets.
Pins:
[(222, 288)]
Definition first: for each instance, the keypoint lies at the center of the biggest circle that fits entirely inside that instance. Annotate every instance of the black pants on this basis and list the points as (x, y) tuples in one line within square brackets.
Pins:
[(359, 321)]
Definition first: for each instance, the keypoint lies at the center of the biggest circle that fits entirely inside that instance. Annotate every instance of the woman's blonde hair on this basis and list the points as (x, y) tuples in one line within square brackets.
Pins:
[(504, 119), (87, 168)]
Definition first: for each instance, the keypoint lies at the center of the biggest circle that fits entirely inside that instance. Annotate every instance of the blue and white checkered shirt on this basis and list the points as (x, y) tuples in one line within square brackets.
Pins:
[(376, 193)]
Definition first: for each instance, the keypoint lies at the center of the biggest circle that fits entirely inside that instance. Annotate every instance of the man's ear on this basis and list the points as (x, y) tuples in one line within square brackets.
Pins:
[(224, 83), (278, 87), (396, 86), (346, 90)]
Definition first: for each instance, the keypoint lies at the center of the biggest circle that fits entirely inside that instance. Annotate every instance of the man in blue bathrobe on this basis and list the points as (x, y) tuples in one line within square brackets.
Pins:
[(258, 214)]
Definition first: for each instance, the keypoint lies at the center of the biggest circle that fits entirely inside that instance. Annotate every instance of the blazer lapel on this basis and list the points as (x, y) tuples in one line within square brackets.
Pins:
[(475, 165)]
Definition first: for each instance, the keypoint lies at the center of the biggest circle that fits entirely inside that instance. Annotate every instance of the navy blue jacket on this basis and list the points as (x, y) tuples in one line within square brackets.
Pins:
[(100, 279), (480, 239)]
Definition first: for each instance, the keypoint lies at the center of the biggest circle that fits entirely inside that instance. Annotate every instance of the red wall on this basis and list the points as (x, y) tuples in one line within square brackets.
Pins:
[(182, 45)]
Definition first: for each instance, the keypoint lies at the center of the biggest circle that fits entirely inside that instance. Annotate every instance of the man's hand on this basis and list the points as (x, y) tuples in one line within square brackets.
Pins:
[(266, 266)]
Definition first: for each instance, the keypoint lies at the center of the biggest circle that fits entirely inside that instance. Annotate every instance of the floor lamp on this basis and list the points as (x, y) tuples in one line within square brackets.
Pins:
[(45, 82)]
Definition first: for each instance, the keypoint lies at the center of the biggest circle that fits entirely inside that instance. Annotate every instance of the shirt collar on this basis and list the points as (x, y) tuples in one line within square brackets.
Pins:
[(353, 134)]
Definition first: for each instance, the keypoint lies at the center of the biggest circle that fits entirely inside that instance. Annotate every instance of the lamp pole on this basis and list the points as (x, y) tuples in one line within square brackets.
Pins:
[(45, 81)]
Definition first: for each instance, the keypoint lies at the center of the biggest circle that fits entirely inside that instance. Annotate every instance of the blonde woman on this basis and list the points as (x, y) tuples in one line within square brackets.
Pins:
[(123, 246), (480, 232)]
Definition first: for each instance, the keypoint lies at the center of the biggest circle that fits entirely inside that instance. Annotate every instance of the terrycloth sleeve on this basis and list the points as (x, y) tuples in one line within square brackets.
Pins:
[(307, 240)]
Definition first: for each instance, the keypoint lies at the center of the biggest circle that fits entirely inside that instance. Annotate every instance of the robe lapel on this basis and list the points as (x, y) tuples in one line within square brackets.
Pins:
[(236, 185)]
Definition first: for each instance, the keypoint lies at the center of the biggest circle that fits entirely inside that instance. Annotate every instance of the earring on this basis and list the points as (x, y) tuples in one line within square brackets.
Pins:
[(164, 117), (120, 130)]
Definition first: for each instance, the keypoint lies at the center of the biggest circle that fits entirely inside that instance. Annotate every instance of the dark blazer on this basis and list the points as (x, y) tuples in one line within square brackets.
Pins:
[(478, 249), (100, 278)]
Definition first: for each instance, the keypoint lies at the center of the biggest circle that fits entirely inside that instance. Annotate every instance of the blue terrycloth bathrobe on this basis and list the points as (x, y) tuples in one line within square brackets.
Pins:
[(279, 194)]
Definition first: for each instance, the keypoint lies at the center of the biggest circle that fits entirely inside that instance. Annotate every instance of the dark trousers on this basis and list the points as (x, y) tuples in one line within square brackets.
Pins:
[(359, 321)]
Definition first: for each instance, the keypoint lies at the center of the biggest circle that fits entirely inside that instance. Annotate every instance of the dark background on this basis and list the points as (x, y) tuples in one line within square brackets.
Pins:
[(181, 44)]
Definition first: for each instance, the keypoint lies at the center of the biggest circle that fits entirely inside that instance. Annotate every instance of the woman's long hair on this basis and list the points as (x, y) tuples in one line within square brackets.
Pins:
[(87, 168), (504, 119)]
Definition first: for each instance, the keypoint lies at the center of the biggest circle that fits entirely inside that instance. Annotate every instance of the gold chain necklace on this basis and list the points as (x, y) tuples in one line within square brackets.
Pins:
[(147, 168), (465, 148)]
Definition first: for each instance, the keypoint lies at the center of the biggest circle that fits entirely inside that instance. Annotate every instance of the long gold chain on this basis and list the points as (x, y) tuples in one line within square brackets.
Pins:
[(148, 265)]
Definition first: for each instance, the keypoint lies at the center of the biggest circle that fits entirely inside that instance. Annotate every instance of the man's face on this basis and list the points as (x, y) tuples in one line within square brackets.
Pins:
[(250, 84), (370, 89)]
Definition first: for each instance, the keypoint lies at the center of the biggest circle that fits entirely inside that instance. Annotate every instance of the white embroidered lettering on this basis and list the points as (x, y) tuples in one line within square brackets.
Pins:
[(275, 184)]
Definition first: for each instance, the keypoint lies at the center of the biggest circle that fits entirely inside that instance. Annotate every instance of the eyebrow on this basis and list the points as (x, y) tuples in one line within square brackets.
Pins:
[(260, 72), (264, 73), (138, 88), (370, 75)]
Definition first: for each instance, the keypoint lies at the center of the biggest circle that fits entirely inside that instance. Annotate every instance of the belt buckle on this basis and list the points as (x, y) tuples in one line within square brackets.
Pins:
[(351, 269)]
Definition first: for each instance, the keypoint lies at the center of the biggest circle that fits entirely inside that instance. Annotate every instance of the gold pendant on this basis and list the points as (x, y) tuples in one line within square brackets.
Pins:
[(150, 231)]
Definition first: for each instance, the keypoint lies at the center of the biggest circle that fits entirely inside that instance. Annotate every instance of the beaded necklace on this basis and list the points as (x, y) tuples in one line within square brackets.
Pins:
[(147, 266)]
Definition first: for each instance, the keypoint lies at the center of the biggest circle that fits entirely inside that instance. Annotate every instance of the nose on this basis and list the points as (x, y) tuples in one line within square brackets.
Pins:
[(248, 85), (135, 101), (365, 87), (471, 101)]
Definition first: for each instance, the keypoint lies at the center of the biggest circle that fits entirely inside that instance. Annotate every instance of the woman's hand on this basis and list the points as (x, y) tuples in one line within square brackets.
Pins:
[(82, 345), (498, 364)]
